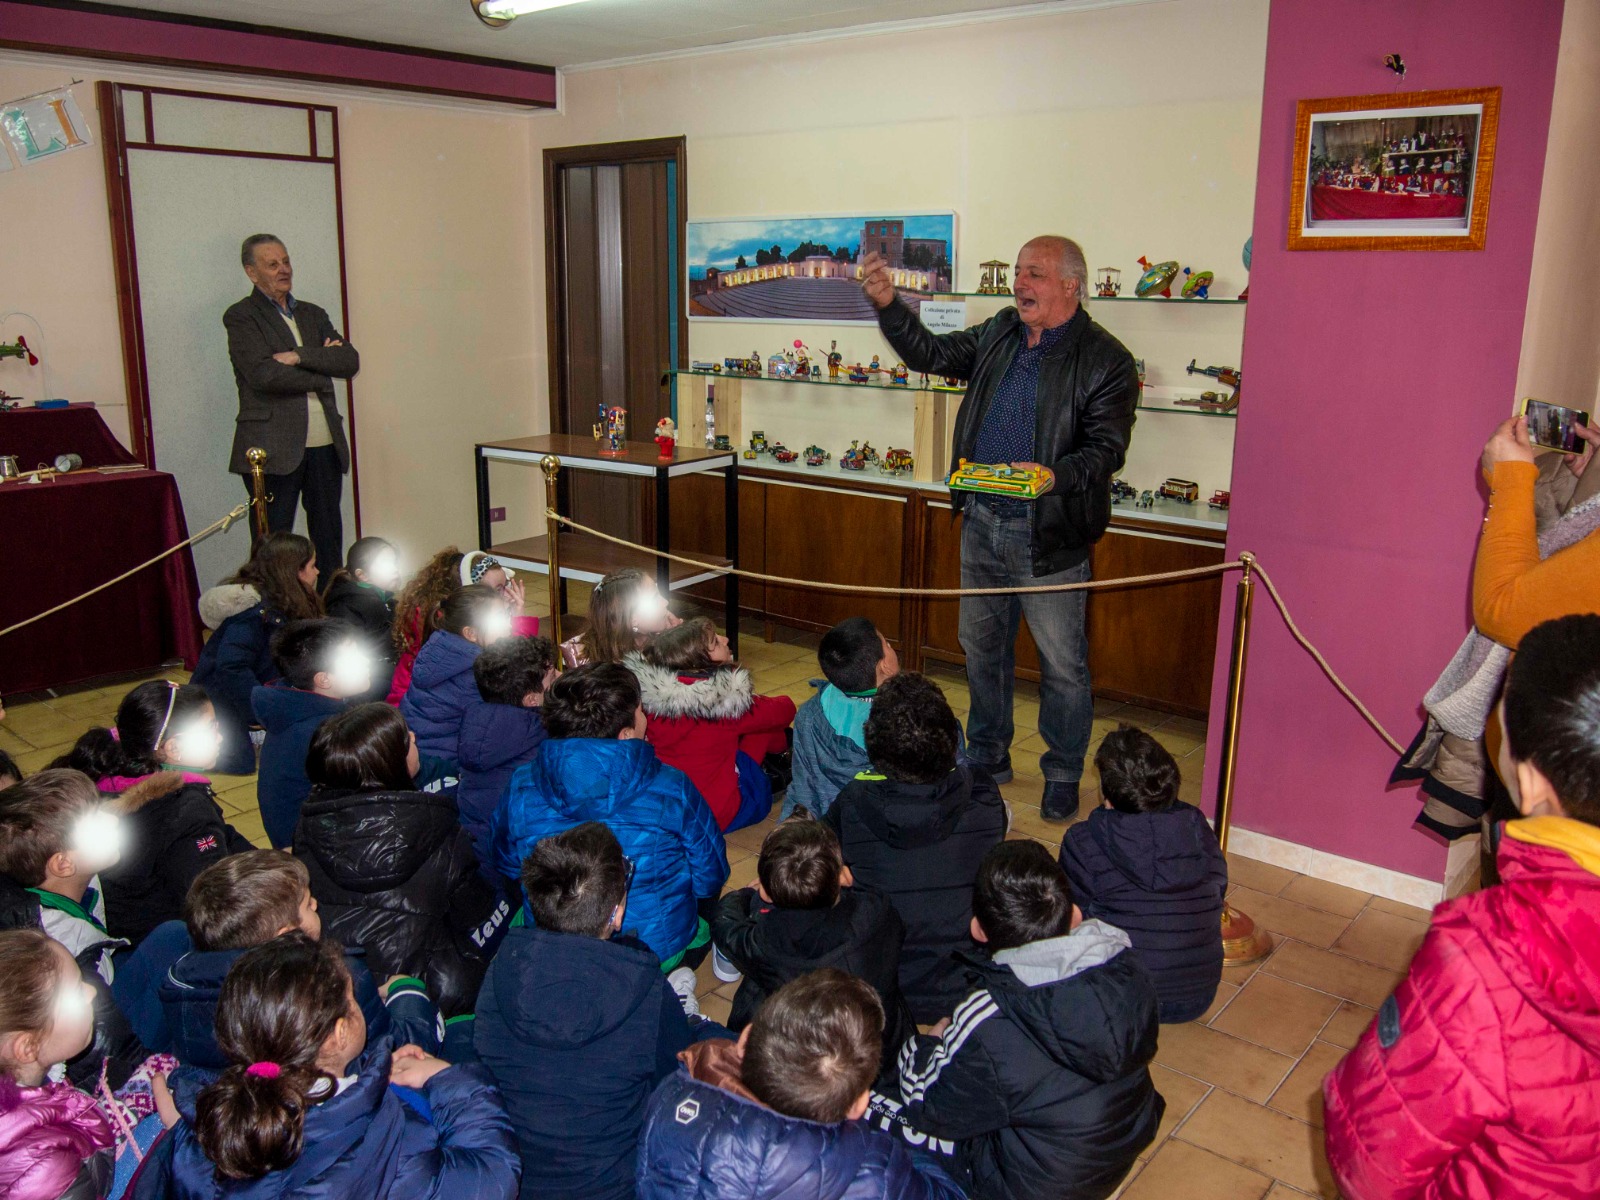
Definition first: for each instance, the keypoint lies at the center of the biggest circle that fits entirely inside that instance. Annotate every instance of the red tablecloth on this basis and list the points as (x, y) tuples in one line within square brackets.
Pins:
[(37, 435), (1353, 204), (65, 537)]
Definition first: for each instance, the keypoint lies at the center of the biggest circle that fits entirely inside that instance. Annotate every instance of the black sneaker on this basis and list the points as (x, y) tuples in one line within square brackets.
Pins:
[(1000, 772), (1060, 802), (779, 770)]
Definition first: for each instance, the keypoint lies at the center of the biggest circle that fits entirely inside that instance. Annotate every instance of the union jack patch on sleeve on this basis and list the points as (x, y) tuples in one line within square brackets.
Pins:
[(209, 842)]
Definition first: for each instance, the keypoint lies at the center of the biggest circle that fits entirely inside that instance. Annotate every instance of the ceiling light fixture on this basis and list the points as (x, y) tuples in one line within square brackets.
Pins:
[(497, 14)]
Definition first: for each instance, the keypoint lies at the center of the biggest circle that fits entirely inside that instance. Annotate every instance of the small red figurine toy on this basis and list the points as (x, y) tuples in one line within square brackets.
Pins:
[(666, 436)]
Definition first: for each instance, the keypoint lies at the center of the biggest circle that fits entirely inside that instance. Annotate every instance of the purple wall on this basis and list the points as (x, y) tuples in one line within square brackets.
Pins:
[(131, 36), (1375, 379)]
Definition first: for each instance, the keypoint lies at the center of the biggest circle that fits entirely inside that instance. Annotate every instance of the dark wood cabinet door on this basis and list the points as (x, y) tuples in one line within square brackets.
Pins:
[(836, 536)]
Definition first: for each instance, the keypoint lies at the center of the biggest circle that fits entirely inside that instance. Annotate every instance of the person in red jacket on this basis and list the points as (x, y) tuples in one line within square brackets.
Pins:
[(705, 719), (1480, 1076)]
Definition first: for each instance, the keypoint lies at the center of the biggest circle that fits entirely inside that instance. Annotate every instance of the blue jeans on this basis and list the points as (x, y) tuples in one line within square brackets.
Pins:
[(995, 552)]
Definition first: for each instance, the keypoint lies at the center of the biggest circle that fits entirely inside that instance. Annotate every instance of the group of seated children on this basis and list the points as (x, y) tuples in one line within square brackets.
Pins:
[(471, 969)]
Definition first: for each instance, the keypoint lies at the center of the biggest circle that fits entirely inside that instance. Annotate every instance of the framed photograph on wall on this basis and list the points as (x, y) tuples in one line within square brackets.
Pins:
[(807, 269), (1402, 171)]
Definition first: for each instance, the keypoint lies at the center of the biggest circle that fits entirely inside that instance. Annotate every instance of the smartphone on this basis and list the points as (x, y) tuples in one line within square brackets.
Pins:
[(1552, 426)]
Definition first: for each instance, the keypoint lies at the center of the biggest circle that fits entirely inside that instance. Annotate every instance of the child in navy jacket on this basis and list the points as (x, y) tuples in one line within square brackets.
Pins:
[(1149, 864), (305, 1106), (577, 1024), (471, 619), (500, 732), (323, 666)]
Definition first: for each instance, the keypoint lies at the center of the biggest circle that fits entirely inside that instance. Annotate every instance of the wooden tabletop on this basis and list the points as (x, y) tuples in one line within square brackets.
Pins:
[(637, 454)]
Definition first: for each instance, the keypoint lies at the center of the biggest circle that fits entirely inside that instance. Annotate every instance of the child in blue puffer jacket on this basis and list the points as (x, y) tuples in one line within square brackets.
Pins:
[(778, 1113), (597, 766), (471, 619), (306, 1107)]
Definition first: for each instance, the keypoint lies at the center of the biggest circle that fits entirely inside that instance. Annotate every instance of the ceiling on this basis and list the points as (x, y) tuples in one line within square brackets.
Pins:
[(595, 31)]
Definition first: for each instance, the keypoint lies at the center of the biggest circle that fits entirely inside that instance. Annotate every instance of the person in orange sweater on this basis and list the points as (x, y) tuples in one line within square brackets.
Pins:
[(1538, 558)]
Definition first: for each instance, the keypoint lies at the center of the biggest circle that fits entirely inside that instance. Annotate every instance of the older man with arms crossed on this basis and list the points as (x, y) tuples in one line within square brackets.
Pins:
[(1046, 387), (286, 355)]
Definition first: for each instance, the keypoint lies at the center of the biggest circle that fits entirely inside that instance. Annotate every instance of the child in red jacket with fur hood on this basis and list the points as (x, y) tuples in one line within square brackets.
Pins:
[(1480, 1076), (706, 720)]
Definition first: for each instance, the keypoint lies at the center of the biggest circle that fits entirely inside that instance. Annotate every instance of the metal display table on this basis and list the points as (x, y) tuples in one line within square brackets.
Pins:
[(589, 559)]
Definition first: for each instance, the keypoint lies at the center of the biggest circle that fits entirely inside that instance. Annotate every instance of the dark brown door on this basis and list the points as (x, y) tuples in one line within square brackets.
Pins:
[(615, 247)]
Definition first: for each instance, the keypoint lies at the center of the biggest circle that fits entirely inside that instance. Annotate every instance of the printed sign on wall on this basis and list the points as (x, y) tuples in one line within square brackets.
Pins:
[(38, 126)]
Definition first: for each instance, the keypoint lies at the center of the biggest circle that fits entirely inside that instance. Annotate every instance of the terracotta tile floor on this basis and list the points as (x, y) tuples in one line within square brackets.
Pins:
[(1242, 1084)]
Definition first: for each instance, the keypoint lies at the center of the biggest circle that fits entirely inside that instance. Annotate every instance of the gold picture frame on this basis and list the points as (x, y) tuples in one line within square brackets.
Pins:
[(1362, 162)]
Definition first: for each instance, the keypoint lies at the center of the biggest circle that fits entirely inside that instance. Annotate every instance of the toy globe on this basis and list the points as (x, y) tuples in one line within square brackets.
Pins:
[(1157, 278)]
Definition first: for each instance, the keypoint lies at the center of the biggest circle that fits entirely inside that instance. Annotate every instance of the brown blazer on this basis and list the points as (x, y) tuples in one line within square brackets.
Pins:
[(272, 410)]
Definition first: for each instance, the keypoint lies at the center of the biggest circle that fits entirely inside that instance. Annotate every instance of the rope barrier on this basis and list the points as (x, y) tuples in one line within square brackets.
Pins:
[(1129, 581), (235, 515)]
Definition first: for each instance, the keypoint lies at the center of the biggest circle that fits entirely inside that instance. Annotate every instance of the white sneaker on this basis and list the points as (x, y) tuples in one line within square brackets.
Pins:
[(723, 969), (683, 982)]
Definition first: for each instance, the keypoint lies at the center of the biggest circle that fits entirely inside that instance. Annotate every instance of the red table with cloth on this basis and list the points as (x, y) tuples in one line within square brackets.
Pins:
[(1354, 204), (63, 538)]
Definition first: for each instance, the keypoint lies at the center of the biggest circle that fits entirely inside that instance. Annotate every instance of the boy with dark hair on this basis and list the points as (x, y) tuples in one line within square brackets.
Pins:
[(577, 1024), (807, 912), (1149, 864), (55, 837), (777, 1114), (916, 827), (1043, 1071), (501, 731), (829, 748), (1481, 1074), (170, 985), (323, 666), (597, 766)]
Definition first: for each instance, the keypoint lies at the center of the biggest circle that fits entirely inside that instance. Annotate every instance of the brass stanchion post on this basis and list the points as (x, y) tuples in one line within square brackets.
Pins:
[(1242, 941), (551, 466), (257, 458)]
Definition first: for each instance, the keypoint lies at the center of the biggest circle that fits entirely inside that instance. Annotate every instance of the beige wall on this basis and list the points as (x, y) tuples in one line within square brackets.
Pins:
[(439, 256), (1133, 129), (1560, 359)]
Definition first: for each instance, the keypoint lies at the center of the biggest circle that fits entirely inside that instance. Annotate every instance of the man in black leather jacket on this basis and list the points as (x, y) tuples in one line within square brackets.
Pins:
[(1046, 386)]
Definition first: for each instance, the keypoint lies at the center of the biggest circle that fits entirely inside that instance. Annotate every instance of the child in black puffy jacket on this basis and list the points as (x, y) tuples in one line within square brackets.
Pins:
[(391, 869)]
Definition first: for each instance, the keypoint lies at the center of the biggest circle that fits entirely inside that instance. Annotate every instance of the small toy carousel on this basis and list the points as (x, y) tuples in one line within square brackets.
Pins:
[(1107, 282), (993, 280)]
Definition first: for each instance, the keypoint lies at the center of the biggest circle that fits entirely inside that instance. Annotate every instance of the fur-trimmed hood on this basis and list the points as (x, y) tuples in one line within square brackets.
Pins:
[(721, 696), (227, 600), (133, 793)]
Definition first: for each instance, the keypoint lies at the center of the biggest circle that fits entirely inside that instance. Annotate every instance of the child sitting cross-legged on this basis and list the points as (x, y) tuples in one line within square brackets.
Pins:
[(169, 986), (391, 868), (173, 827), (777, 1114), (305, 1106), (829, 746), (576, 1022), (323, 667), (1480, 1075), (915, 826), (807, 912), (597, 766), (705, 718), (1042, 1072), (1149, 864), (501, 731)]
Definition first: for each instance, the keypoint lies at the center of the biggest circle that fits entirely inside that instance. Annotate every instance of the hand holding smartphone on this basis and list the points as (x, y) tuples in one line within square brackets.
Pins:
[(1554, 427)]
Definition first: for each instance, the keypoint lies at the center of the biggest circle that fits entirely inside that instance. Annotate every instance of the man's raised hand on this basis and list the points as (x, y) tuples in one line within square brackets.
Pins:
[(875, 281)]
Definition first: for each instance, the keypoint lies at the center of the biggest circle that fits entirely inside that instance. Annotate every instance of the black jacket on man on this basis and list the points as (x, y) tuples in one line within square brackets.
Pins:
[(921, 845), (1088, 388), (394, 873), (1044, 1072), (861, 934), (272, 395)]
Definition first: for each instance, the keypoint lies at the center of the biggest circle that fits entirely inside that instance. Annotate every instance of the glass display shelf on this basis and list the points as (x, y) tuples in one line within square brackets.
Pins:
[(1186, 411), (823, 382)]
